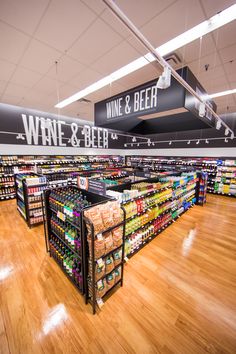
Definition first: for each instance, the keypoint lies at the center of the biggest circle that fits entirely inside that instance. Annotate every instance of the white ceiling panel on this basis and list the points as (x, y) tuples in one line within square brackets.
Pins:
[(105, 92), (2, 86), (177, 19), (10, 99), (115, 23), (211, 75), (96, 41), (47, 85), (85, 78), (230, 69), (141, 12), (39, 57), (225, 36), (64, 22), (228, 54), (23, 14), (197, 49), (15, 90), (119, 56), (215, 84), (212, 7), (149, 72), (25, 77), (95, 5), (12, 43), (6, 70), (37, 98), (66, 69), (66, 90), (198, 66)]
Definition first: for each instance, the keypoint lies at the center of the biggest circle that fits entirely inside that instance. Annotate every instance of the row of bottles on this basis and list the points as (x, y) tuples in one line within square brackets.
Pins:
[(70, 202), (38, 189), (6, 181), (7, 170), (134, 241), (7, 191), (67, 260), (66, 232), (140, 205)]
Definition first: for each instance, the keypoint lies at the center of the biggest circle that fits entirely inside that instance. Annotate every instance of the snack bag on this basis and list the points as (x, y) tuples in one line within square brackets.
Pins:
[(110, 279), (107, 218), (117, 256), (108, 242), (118, 274), (99, 269), (101, 288), (99, 246), (109, 262), (117, 237)]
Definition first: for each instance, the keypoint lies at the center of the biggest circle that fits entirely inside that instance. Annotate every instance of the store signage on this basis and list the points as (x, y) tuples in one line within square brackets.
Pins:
[(27, 127), (91, 185), (192, 104), (139, 101), (128, 110)]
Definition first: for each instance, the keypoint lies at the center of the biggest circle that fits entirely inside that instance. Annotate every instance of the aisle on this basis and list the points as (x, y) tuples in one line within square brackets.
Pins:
[(178, 295)]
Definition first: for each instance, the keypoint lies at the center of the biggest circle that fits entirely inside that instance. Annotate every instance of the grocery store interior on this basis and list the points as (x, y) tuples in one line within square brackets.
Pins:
[(117, 176)]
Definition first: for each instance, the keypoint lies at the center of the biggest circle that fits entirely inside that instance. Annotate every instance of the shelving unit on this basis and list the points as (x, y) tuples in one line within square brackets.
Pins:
[(29, 188), (212, 166), (105, 249), (152, 205), (54, 167), (66, 231)]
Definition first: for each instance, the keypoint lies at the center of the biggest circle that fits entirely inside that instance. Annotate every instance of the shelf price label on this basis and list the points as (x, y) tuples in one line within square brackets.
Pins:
[(61, 216)]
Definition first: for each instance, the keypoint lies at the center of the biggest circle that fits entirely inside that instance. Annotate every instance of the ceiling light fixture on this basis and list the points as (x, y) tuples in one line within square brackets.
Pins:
[(223, 93), (189, 36), (226, 140), (207, 141), (170, 142), (197, 142), (202, 109), (188, 142), (218, 124), (164, 80)]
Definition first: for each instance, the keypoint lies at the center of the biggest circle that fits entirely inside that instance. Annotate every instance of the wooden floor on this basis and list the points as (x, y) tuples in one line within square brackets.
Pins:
[(179, 293)]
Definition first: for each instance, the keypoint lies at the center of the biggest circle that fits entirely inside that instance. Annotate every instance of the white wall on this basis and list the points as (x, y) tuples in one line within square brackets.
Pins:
[(201, 152), (50, 150), (54, 150)]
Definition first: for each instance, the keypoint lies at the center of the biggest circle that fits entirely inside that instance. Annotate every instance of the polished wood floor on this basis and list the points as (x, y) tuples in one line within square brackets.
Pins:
[(179, 293)]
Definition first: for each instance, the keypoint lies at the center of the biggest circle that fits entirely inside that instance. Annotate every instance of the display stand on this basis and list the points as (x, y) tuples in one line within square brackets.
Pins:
[(65, 240), (96, 261), (29, 188)]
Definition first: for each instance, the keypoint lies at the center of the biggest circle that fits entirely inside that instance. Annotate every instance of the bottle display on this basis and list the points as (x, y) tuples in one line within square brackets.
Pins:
[(69, 262)]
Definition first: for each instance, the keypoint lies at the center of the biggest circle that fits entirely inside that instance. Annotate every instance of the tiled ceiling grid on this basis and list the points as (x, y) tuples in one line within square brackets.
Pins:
[(88, 42)]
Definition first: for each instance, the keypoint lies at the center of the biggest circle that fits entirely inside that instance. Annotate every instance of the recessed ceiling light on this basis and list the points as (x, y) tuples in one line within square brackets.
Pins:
[(223, 93), (189, 36)]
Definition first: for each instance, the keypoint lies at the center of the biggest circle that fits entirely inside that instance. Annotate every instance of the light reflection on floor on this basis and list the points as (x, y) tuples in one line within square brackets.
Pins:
[(54, 318), (188, 242), (5, 272)]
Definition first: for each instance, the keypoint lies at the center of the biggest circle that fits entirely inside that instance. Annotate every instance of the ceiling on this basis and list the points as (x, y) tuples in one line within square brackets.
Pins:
[(88, 43)]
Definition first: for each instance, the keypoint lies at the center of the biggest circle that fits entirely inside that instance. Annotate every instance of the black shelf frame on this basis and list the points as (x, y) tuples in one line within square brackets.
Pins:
[(48, 212), (23, 190), (93, 259)]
